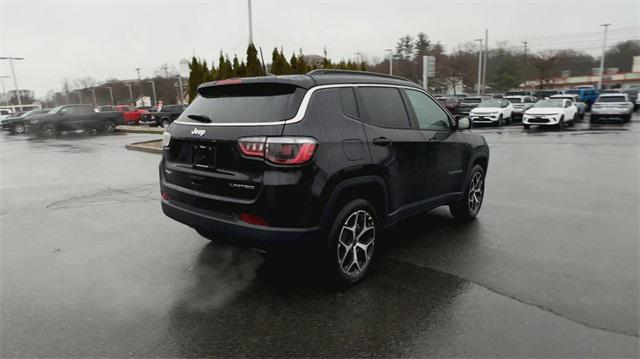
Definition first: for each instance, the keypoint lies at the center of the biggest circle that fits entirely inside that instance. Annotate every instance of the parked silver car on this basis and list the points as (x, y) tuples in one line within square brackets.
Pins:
[(612, 106)]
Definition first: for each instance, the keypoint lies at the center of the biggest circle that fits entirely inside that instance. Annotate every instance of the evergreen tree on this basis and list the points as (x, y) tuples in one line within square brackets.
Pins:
[(294, 63), (254, 68), (236, 66), (421, 47), (285, 64), (195, 78)]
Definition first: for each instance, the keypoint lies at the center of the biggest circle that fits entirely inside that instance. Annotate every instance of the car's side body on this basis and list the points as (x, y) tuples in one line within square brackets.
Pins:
[(16, 123), (73, 117), (402, 167), (164, 117), (469, 103)]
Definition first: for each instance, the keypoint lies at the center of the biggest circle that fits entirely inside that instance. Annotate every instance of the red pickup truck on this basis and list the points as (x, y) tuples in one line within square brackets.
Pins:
[(130, 115)]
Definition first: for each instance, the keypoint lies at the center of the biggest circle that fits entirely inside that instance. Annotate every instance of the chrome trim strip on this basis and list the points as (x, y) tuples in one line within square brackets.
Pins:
[(302, 110)]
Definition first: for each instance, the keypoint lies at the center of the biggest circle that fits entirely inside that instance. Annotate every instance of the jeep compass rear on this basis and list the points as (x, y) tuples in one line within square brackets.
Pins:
[(319, 161)]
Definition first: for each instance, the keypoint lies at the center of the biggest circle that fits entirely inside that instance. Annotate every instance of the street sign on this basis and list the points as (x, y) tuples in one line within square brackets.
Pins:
[(428, 70)]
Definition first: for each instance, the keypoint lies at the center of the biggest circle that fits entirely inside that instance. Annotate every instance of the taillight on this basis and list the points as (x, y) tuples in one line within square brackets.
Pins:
[(253, 219), (279, 150)]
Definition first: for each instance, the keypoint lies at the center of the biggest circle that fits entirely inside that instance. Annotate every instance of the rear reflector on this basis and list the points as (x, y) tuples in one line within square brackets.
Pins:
[(279, 150), (165, 196), (253, 219)]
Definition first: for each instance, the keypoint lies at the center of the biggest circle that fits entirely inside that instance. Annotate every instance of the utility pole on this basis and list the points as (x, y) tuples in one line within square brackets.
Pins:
[(524, 69), (604, 44), (140, 86), (485, 59), (479, 67), (13, 73), (93, 93), (110, 94), (390, 61), (181, 90), (130, 94), (153, 88), (250, 24), (4, 90)]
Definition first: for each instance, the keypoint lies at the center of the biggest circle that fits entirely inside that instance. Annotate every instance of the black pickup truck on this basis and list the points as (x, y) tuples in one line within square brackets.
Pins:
[(74, 117), (164, 117)]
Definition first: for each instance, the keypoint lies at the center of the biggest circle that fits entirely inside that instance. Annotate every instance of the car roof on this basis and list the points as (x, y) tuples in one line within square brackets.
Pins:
[(320, 77)]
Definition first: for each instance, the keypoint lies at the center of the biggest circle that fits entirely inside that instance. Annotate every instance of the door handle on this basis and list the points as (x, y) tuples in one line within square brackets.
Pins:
[(433, 139), (382, 141)]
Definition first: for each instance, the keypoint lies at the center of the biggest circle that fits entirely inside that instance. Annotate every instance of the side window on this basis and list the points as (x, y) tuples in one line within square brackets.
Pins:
[(84, 110), (348, 100), (429, 115), (385, 107)]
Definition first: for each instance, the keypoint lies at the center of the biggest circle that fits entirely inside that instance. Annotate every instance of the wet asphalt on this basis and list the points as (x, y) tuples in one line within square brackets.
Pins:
[(91, 267)]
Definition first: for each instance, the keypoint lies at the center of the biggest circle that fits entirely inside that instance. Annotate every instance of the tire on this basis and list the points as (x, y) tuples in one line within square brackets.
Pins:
[(165, 122), (351, 248), (468, 206), (48, 130), (573, 121), (499, 123), (593, 119), (109, 126), (18, 129), (560, 124), (526, 126)]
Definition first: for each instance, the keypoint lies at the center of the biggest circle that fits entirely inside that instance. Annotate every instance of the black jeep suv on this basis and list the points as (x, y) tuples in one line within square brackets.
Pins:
[(321, 160)]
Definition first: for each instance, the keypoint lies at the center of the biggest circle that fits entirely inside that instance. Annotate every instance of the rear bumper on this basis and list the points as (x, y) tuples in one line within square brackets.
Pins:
[(240, 233)]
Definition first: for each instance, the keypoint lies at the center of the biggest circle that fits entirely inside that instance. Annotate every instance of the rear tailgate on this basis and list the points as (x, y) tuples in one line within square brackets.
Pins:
[(205, 157)]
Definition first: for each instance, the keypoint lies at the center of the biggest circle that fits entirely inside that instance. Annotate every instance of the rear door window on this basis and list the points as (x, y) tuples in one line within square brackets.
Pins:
[(348, 100), (246, 103), (384, 107), (429, 115)]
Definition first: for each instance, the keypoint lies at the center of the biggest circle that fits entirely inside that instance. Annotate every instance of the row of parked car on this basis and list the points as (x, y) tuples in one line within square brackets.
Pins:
[(49, 121), (554, 108)]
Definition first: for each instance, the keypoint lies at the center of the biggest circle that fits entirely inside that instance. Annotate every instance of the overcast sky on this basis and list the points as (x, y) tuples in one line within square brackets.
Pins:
[(105, 39)]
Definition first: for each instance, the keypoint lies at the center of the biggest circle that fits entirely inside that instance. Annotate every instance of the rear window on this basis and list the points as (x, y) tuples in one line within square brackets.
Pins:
[(385, 107), (514, 99), (472, 100), (246, 103), (577, 92), (612, 99)]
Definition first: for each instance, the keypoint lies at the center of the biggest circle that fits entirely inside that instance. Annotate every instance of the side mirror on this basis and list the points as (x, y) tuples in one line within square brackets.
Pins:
[(464, 123)]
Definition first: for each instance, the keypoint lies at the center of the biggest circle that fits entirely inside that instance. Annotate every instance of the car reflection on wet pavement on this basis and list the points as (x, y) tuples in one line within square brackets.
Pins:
[(91, 267)]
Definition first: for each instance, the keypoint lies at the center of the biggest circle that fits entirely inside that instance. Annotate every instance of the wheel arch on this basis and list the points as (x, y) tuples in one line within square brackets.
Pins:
[(370, 187)]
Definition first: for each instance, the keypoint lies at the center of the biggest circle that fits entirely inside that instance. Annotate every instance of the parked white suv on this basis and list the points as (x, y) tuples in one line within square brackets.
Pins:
[(551, 112), (520, 104), (493, 111), (612, 105)]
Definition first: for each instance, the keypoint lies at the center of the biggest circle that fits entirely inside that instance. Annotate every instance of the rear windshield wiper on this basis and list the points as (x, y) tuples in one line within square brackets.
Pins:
[(200, 118)]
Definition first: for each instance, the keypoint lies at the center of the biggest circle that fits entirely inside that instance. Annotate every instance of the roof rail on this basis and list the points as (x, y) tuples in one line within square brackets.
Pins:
[(353, 73)]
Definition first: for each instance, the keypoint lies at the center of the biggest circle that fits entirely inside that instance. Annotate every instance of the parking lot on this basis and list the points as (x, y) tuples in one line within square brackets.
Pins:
[(91, 266)]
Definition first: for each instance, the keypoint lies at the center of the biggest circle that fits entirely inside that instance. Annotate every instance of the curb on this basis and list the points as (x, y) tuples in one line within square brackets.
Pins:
[(145, 146), (140, 129)]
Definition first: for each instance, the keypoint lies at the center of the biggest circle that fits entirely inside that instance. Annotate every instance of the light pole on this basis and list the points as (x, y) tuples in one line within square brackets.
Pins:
[(130, 93), (93, 94), (250, 24), (479, 66), (13, 73), (604, 44), (4, 91), (390, 61), (153, 88), (79, 96), (140, 86), (181, 90), (110, 93), (485, 59)]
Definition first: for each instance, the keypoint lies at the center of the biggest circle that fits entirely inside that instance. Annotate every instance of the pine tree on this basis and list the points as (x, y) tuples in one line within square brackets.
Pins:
[(195, 77), (253, 64), (294, 63), (286, 67), (236, 66)]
